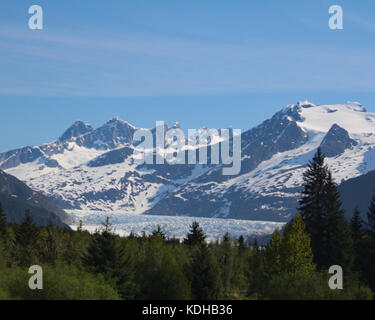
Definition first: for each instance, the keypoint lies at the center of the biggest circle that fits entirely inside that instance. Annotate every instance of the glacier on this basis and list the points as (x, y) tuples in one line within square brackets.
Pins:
[(173, 226)]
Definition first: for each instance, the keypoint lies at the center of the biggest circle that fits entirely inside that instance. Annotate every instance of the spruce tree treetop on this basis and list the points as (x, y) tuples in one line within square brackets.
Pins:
[(321, 211), (311, 202), (226, 238), (159, 233), (241, 243), (195, 236), (312, 205)]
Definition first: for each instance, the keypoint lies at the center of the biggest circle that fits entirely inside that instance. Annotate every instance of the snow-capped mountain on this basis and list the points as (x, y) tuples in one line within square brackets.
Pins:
[(94, 169)]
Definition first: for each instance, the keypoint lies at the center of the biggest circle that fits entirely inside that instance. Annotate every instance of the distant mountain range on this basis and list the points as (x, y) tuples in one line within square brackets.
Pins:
[(94, 169)]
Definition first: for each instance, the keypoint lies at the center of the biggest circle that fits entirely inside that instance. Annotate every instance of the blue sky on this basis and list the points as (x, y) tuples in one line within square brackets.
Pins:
[(215, 63)]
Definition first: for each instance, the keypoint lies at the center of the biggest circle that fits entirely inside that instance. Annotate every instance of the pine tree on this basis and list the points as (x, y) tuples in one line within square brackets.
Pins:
[(26, 241), (339, 237), (226, 261), (357, 230), (296, 254), (242, 246), (80, 226), (273, 254), (161, 274), (205, 284), (158, 232), (312, 207), (50, 252), (367, 251), (324, 219), (371, 218), (257, 271), (195, 236), (356, 226), (255, 245), (241, 259), (3, 224), (106, 256)]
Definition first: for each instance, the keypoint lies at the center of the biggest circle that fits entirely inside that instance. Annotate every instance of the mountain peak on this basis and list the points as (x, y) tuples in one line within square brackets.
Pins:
[(352, 116), (77, 129), (305, 104), (292, 109), (116, 120)]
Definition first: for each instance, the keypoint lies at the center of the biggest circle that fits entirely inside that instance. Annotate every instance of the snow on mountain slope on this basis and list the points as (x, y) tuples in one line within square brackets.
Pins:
[(97, 178), (94, 169), (75, 155), (271, 189), (351, 116)]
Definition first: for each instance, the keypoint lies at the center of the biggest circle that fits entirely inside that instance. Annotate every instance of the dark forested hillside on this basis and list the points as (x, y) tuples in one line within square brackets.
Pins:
[(357, 192), (16, 197)]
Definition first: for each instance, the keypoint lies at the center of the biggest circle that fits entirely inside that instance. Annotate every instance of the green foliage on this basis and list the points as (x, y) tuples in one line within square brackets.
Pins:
[(205, 277), (61, 282), (205, 283), (26, 241), (273, 254), (226, 261), (161, 274), (50, 251), (107, 257), (290, 254), (303, 286), (74, 246), (296, 253)]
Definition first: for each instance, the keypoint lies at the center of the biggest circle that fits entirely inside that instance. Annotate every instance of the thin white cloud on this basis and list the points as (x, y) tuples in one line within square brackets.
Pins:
[(138, 64)]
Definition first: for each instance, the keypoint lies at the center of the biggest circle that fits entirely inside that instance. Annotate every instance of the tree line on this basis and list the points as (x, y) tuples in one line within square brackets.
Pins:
[(293, 265)]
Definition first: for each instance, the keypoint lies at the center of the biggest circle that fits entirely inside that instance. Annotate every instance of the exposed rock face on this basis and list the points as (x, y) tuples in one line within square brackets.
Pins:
[(111, 157), (336, 141), (77, 129), (113, 134)]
